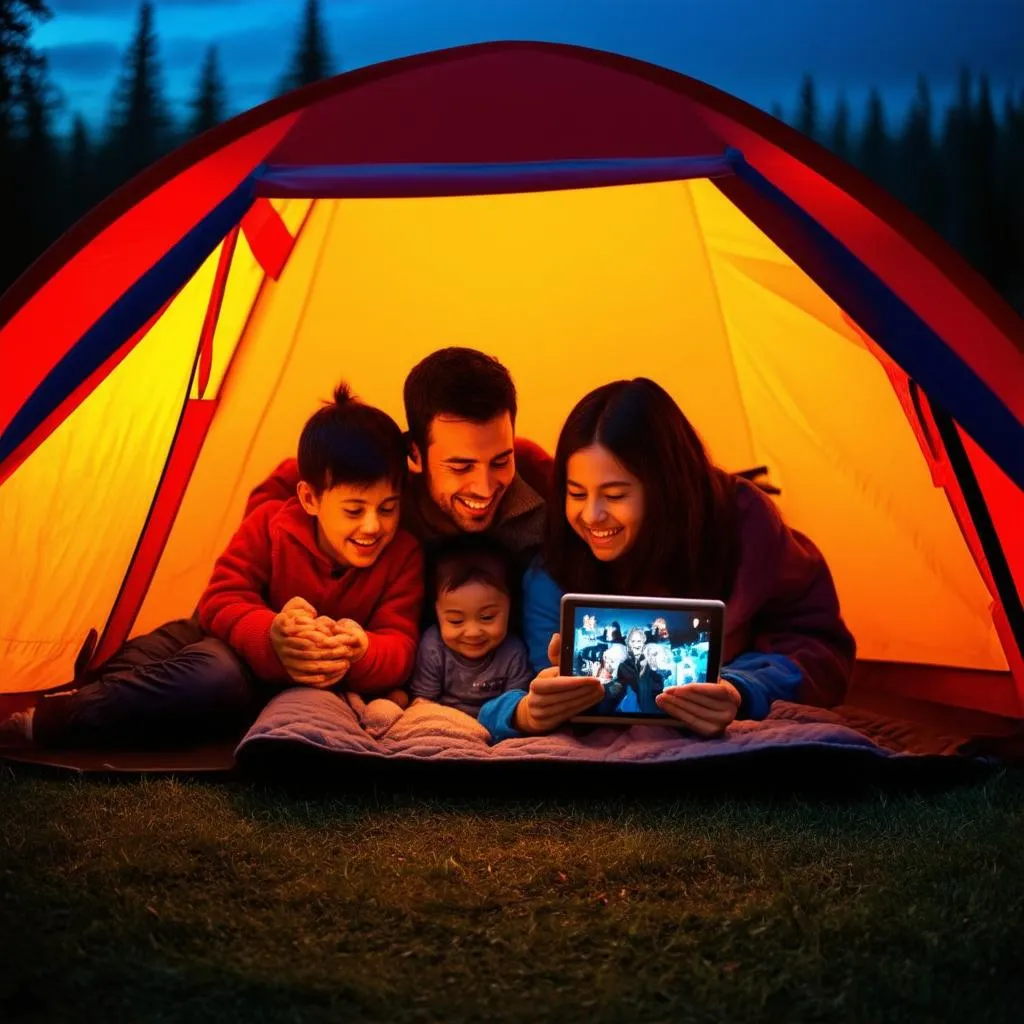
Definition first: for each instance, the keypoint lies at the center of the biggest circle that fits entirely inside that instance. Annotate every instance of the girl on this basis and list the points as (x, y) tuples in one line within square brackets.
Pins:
[(634, 480)]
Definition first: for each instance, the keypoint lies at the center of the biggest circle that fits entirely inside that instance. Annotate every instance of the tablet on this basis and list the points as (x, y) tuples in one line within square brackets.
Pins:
[(637, 647)]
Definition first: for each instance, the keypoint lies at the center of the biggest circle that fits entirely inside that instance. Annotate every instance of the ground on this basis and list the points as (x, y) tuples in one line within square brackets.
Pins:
[(178, 900)]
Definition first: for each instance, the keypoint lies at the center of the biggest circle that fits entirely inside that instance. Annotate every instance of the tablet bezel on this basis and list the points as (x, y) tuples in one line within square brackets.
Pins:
[(715, 610)]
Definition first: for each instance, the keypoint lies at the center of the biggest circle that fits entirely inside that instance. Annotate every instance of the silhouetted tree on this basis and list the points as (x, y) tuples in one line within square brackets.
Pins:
[(79, 171), (874, 142), (37, 167), (839, 136), (776, 111), (918, 176), (209, 104), (17, 18), (956, 156), (807, 109), (140, 126), (982, 221), (312, 61), (1010, 247)]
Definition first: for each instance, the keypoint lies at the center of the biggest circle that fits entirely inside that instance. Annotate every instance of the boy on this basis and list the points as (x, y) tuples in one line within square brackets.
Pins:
[(327, 570), (468, 657)]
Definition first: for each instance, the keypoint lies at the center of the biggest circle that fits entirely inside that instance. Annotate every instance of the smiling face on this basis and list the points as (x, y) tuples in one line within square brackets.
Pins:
[(354, 523), (469, 467), (636, 641), (473, 618), (604, 502)]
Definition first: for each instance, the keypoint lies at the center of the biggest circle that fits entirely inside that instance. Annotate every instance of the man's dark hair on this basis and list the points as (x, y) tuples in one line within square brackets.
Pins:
[(470, 558), (347, 442), (459, 382)]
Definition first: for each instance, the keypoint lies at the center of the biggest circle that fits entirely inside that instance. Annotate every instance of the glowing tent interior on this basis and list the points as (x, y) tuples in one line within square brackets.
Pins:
[(580, 215)]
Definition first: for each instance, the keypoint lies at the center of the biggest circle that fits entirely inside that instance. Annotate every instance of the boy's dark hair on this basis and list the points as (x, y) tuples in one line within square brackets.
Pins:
[(347, 442), (470, 558), (458, 382)]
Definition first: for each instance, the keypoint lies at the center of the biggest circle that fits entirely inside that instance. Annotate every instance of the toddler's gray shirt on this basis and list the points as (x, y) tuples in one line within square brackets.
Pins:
[(465, 683)]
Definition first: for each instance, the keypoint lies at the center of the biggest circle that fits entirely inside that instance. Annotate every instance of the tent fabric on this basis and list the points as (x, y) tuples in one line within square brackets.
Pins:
[(126, 315), (898, 330), (760, 297), (393, 180)]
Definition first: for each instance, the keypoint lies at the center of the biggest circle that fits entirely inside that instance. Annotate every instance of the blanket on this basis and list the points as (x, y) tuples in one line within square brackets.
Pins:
[(345, 725)]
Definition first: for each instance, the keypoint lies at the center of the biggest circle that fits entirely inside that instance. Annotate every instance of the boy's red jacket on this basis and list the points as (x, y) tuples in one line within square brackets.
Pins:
[(274, 557)]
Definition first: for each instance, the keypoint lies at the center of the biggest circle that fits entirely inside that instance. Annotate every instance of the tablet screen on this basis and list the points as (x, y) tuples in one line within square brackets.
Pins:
[(641, 648)]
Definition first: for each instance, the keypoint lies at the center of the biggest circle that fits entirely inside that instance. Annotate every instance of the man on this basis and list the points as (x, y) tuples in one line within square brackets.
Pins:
[(468, 473)]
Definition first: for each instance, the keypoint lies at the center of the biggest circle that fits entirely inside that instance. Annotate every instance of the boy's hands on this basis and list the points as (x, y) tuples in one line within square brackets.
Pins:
[(307, 646), (351, 638), (354, 639)]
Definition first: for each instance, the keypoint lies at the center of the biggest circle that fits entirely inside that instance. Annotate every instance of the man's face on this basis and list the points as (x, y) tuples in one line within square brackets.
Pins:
[(468, 467)]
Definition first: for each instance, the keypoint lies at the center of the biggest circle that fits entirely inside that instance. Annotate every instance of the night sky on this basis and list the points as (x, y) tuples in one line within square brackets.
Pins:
[(757, 49)]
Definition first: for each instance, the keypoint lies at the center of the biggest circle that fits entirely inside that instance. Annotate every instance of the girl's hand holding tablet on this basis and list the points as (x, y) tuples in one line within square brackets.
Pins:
[(553, 698), (706, 708)]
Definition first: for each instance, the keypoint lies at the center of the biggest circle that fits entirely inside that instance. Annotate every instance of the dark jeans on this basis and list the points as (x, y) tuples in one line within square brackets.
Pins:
[(175, 685)]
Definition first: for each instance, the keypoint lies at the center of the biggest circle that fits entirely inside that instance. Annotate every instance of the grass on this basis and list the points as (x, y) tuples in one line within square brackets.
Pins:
[(169, 900)]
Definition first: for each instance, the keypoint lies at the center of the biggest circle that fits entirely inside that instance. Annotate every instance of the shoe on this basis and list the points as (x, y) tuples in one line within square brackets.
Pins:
[(85, 654)]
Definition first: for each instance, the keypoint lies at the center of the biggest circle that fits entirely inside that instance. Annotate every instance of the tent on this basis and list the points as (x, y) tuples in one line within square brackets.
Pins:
[(581, 215)]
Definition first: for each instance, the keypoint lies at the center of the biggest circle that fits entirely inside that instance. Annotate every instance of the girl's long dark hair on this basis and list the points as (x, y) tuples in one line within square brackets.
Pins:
[(688, 545)]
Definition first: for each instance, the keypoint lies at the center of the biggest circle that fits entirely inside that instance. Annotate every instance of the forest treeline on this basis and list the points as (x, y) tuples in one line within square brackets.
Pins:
[(960, 168)]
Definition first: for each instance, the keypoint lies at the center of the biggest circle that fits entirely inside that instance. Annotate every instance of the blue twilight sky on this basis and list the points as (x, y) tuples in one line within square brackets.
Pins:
[(757, 49)]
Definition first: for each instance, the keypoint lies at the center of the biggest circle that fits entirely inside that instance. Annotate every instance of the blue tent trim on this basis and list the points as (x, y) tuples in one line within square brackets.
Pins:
[(380, 181), (894, 326), (127, 315)]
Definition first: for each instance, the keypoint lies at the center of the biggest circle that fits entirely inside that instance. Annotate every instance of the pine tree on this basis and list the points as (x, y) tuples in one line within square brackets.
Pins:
[(839, 141), (79, 171), (982, 224), (312, 61), (209, 105), (874, 143), (956, 158), (140, 128), (1012, 161), (38, 162), (807, 109), (1011, 164), (17, 19), (776, 111), (918, 181)]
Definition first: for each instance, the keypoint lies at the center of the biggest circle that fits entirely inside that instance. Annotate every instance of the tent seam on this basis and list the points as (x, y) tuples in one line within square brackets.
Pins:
[(724, 321)]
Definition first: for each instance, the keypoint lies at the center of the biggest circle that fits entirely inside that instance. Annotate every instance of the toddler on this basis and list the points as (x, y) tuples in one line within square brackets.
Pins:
[(468, 657)]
